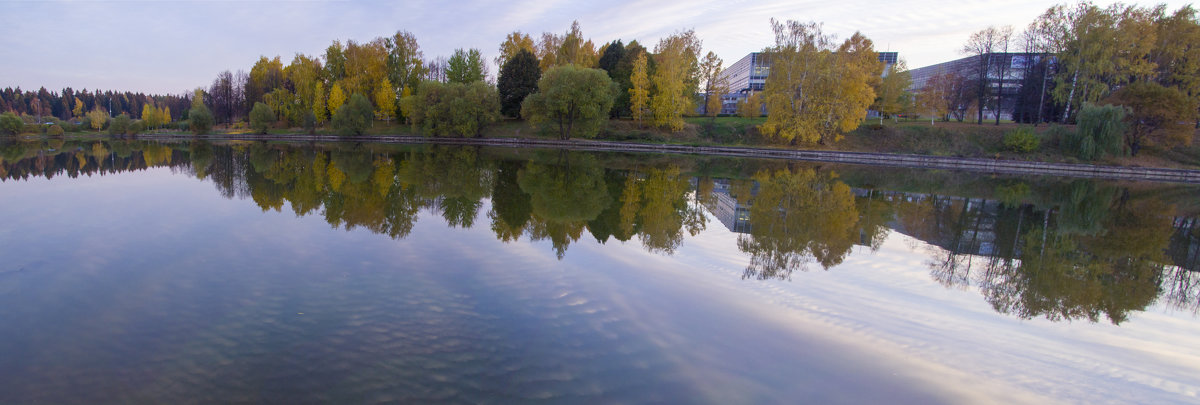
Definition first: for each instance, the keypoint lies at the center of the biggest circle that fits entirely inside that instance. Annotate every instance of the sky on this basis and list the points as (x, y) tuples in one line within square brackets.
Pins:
[(174, 46)]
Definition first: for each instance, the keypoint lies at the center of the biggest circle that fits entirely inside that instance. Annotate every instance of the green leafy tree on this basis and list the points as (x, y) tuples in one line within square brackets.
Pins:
[(119, 125), (444, 109), (518, 79), (573, 99), (465, 66), (261, 117), (405, 64), (355, 117), (10, 124)]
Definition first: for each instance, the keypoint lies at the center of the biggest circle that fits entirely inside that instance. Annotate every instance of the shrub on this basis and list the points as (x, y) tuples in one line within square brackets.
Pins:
[(119, 125), (1100, 132), (201, 119), (261, 117), (135, 127), (54, 130), (10, 124), (354, 117), (1022, 140), (310, 122)]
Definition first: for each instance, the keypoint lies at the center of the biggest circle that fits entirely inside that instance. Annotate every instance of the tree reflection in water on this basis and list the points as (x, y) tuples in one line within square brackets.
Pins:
[(1070, 250)]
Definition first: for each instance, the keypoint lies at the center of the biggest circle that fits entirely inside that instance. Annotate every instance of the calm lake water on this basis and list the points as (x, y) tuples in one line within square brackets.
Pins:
[(358, 273)]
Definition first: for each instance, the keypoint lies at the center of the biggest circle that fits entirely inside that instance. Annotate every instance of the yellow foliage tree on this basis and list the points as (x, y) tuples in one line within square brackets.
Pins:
[(512, 45), (385, 101), (97, 117), (639, 94), (336, 98), (78, 110), (751, 107), (318, 107), (676, 77), (814, 92), (715, 84)]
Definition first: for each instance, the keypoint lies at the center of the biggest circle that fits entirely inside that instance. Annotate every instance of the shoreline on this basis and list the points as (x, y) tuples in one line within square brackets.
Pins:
[(994, 166)]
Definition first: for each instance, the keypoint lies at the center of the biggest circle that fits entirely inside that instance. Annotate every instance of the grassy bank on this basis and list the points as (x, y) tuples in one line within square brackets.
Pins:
[(908, 137)]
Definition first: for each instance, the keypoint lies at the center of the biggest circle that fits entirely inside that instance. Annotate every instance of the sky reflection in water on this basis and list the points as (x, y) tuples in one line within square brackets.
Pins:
[(153, 286)]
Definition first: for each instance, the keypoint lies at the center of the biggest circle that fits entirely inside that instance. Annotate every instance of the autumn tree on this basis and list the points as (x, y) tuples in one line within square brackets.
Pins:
[(751, 106), (96, 117), (815, 91), (937, 97), (78, 110), (518, 79), (575, 100), (513, 44), (716, 84), (639, 93), (675, 79), (265, 76), (385, 101), (320, 113), (1177, 53), (574, 49), (336, 98), (465, 66), (150, 115), (622, 74), (1157, 115), (303, 74), (891, 95), (366, 66)]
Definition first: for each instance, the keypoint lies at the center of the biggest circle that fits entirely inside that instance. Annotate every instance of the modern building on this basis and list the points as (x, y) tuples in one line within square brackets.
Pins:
[(1014, 64), (749, 75)]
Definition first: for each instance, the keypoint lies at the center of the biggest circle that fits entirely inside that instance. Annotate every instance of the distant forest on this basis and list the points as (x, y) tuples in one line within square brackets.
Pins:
[(71, 103)]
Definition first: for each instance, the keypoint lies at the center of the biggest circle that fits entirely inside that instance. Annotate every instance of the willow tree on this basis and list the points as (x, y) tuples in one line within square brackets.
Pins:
[(815, 91), (575, 100)]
